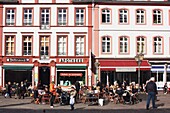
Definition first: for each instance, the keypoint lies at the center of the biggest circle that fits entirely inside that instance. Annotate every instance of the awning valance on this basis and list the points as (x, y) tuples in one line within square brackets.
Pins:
[(14, 67), (113, 64)]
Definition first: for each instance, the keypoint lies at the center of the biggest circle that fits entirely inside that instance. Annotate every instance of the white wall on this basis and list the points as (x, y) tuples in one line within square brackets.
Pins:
[(36, 29), (132, 30)]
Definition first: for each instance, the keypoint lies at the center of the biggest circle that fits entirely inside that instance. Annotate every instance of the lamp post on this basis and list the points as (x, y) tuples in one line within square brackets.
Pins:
[(139, 57)]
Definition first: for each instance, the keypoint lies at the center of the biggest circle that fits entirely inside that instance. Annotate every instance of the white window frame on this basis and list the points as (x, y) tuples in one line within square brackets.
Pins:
[(11, 49), (124, 44), (28, 16), (157, 16), (62, 45), (79, 43), (11, 15), (140, 16), (106, 44), (46, 17), (80, 16), (62, 16), (141, 44), (123, 16), (43, 50), (158, 44), (107, 15), (28, 40)]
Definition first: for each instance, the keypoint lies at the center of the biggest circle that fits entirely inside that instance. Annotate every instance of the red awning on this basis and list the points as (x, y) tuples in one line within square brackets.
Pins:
[(112, 64)]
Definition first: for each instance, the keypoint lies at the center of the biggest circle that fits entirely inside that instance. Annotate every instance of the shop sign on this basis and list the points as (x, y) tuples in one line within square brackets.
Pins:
[(70, 74), (17, 60), (70, 60), (125, 69)]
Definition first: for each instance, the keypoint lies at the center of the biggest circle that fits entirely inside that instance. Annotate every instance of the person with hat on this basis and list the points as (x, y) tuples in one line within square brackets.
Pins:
[(72, 97), (151, 91)]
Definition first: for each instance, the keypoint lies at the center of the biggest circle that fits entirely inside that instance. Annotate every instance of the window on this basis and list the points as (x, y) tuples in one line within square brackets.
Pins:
[(9, 42), (140, 44), (27, 17), (44, 45), (27, 45), (157, 17), (79, 45), (45, 16), (157, 44), (62, 45), (106, 45), (140, 16), (10, 16), (106, 16), (62, 16), (123, 44), (123, 16), (80, 16)]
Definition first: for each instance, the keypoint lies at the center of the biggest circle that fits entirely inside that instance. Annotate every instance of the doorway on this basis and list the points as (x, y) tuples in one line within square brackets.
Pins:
[(44, 75)]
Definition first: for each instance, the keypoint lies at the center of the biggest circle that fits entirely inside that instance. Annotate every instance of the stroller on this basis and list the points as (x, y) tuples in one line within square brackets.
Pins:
[(127, 97), (65, 98)]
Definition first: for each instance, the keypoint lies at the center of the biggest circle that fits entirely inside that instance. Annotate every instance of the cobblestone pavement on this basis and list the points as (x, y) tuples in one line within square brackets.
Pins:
[(11, 105)]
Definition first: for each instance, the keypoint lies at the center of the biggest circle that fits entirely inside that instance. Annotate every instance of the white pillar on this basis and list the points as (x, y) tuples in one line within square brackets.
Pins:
[(33, 78), (89, 77), (36, 75), (107, 79), (52, 73), (1, 76), (165, 74)]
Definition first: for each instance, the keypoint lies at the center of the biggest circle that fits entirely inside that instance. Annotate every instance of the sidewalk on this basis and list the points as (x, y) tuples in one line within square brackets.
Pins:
[(162, 103)]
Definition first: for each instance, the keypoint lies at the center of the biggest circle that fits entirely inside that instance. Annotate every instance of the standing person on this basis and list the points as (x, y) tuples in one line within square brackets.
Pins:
[(165, 88), (9, 89), (53, 94), (151, 91), (72, 97), (77, 85), (23, 90), (17, 91)]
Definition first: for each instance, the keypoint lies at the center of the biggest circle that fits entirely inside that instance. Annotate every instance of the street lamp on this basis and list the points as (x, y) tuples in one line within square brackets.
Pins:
[(139, 57)]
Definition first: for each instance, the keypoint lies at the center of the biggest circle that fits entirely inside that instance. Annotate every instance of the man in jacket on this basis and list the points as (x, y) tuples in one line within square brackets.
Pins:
[(151, 91)]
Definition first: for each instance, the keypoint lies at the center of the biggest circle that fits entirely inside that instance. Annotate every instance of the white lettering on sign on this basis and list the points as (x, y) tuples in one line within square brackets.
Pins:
[(125, 69), (71, 74), (70, 60)]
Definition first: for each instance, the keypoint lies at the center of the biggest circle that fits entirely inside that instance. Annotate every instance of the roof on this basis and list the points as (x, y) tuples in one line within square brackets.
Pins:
[(122, 2)]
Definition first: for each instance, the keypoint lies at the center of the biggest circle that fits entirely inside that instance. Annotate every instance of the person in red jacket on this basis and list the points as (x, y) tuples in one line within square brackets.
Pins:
[(53, 94)]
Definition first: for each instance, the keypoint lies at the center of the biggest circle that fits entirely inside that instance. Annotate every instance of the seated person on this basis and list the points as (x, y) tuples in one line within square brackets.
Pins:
[(36, 95)]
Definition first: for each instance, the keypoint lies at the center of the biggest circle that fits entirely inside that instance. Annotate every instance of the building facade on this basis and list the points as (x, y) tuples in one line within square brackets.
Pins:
[(84, 40), (124, 29), (44, 41)]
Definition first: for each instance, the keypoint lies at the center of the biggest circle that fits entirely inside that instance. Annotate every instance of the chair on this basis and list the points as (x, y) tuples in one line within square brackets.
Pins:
[(57, 98), (46, 98), (111, 97)]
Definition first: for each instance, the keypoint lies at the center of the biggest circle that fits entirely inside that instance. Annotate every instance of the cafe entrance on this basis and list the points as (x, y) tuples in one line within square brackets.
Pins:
[(44, 75)]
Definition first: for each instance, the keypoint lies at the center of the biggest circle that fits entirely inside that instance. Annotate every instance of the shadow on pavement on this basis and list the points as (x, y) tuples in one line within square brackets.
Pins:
[(15, 104), (81, 110)]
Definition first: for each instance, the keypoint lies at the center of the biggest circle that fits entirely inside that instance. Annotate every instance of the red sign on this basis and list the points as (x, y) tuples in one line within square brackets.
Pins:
[(70, 74)]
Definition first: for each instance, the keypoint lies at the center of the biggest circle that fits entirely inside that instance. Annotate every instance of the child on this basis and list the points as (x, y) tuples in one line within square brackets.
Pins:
[(72, 97)]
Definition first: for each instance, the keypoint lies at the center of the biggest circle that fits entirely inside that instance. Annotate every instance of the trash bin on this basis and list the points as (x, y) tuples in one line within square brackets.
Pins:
[(101, 102)]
